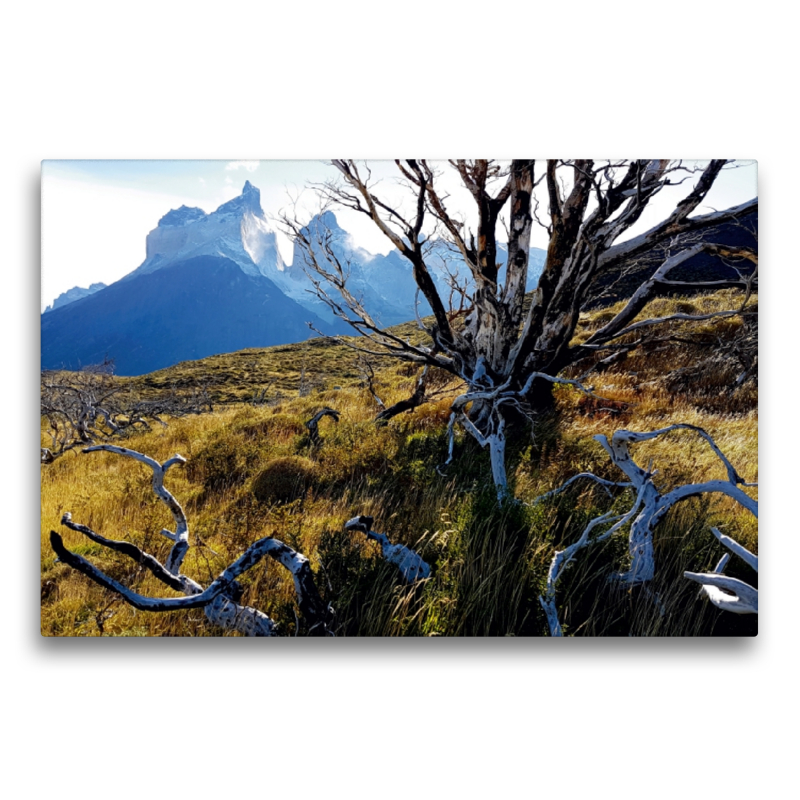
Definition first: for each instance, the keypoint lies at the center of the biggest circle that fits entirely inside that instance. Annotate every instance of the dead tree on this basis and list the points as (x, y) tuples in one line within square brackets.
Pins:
[(508, 354), (219, 600), (648, 510), (77, 408), (89, 406)]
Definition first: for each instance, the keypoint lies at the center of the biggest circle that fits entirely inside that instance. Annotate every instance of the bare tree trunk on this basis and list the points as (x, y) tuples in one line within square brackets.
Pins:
[(501, 345)]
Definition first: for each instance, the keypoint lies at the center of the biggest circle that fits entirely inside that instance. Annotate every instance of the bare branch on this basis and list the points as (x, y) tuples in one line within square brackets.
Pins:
[(181, 534), (313, 424), (412, 567), (219, 599)]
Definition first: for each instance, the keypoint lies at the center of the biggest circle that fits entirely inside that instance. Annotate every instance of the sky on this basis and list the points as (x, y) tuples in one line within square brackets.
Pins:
[(96, 214)]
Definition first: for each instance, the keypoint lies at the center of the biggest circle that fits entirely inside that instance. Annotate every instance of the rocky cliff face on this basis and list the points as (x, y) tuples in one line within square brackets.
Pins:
[(237, 230)]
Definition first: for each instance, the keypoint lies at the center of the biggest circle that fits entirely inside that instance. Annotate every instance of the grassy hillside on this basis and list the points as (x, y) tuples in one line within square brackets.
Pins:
[(253, 472)]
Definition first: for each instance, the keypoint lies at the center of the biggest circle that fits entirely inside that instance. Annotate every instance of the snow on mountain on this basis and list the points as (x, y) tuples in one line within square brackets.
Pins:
[(385, 283), (239, 231), (73, 294)]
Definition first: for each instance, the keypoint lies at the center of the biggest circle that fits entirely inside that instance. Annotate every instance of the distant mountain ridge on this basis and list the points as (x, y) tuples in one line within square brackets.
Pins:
[(73, 294)]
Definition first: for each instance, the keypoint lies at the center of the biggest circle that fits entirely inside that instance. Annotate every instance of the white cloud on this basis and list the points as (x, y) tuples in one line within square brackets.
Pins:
[(250, 166)]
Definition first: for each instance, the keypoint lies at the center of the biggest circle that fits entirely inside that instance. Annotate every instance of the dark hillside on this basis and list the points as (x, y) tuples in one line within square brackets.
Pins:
[(191, 310), (612, 286)]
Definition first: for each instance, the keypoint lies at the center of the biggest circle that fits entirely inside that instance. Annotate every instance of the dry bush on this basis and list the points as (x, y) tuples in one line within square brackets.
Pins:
[(284, 480)]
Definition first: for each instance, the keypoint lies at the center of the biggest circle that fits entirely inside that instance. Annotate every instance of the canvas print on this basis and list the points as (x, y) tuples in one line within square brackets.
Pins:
[(399, 398)]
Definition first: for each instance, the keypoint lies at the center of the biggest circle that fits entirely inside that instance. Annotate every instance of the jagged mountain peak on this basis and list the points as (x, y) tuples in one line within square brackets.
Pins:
[(237, 230), (326, 218), (73, 294), (248, 200), (184, 215)]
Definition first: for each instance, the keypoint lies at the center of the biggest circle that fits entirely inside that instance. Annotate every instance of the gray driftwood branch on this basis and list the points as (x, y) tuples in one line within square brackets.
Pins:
[(729, 594), (219, 600), (648, 510), (408, 562)]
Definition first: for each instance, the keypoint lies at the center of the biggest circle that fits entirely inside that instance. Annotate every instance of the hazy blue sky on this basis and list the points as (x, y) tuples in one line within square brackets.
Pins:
[(96, 214)]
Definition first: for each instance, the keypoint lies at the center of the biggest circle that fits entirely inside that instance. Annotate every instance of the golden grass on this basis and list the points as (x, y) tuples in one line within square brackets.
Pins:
[(489, 564)]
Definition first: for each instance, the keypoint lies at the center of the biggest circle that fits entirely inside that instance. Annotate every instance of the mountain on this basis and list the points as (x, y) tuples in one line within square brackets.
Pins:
[(202, 289), (237, 230), (384, 283), (215, 283), (195, 308), (73, 294)]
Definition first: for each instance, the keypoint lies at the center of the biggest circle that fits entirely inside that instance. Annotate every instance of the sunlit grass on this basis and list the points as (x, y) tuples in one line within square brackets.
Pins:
[(489, 564)]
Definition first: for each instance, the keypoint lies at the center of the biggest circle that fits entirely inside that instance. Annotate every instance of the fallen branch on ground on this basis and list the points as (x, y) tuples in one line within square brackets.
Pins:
[(313, 424), (726, 593), (412, 567), (648, 510), (219, 600)]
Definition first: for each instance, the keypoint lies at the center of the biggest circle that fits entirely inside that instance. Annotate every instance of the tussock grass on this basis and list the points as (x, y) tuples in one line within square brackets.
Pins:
[(253, 472)]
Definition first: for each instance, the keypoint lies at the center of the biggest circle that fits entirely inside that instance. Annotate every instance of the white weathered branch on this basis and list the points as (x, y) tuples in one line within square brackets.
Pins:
[(411, 565), (581, 475), (181, 534), (493, 399), (739, 550), (219, 599), (729, 594), (656, 505), (562, 558), (647, 511)]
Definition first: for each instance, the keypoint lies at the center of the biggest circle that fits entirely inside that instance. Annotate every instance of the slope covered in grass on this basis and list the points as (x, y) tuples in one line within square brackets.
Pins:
[(253, 472)]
